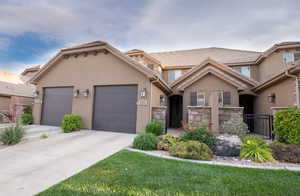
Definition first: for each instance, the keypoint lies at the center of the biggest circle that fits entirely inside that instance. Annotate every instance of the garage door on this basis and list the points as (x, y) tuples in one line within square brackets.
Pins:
[(57, 102), (115, 108)]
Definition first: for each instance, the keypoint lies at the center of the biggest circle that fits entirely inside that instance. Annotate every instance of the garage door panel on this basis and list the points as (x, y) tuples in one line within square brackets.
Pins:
[(57, 102), (115, 108)]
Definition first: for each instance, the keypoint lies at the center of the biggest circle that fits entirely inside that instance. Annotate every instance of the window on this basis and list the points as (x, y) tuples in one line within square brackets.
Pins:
[(200, 99), (244, 70), (220, 98), (288, 57), (173, 75), (224, 98)]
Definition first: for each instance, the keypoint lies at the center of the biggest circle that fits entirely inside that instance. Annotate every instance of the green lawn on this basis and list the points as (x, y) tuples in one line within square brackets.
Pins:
[(132, 173)]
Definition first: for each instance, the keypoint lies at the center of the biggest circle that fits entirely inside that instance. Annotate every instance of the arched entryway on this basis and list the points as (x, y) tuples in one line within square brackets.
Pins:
[(175, 111)]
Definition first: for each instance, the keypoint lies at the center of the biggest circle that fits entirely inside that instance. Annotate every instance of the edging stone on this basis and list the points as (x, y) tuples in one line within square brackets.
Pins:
[(215, 162)]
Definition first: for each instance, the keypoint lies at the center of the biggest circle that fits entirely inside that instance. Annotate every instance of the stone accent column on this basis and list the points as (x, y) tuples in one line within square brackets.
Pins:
[(214, 112), (199, 115), (159, 114), (234, 114)]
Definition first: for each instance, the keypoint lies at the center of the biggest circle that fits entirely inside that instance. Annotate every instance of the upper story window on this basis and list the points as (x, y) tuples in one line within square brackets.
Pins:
[(173, 75), (244, 70), (291, 57)]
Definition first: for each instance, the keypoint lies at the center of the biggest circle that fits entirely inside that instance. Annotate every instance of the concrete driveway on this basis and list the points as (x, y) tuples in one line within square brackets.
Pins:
[(29, 168)]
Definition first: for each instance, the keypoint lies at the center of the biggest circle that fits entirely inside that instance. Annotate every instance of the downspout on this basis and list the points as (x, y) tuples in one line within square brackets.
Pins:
[(297, 83)]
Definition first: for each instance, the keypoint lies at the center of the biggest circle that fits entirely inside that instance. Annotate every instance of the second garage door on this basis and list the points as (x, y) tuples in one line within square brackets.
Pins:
[(115, 108)]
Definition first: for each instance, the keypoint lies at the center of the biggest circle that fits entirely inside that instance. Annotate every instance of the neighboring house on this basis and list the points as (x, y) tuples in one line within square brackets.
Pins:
[(122, 92), (15, 94)]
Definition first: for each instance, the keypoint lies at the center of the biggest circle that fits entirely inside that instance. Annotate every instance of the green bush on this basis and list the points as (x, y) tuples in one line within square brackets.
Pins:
[(28, 110), (155, 128), (26, 119), (167, 141), (255, 139), (201, 135), (256, 149), (145, 141), (286, 152), (234, 127), (12, 135), (287, 126), (192, 150), (71, 123)]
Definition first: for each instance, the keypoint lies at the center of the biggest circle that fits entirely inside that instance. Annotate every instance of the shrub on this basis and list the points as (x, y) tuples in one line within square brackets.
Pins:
[(192, 150), (255, 139), (71, 123), (201, 135), (26, 119), (287, 126), (28, 110), (256, 149), (234, 127), (286, 152), (145, 141), (12, 135), (155, 128), (167, 141)]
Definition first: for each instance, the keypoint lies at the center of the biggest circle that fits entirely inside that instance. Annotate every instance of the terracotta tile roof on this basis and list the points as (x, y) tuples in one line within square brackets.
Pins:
[(12, 84), (196, 56), (23, 90)]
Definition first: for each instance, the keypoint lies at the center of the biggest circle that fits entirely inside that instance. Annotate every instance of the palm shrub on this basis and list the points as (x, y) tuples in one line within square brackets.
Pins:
[(192, 150), (145, 141), (71, 123), (26, 119), (12, 135), (200, 134), (256, 150), (287, 126), (155, 128), (165, 142)]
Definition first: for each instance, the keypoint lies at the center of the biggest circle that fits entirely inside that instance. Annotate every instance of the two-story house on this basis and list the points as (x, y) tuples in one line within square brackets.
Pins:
[(122, 92)]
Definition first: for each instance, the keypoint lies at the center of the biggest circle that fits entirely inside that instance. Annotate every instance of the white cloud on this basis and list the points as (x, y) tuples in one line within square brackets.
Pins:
[(156, 24)]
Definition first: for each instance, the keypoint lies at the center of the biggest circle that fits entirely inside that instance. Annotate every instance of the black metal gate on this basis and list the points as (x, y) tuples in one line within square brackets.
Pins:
[(261, 124)]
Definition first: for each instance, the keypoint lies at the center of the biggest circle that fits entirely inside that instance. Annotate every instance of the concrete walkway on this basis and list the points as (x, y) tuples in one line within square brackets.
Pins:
[(29, 168)]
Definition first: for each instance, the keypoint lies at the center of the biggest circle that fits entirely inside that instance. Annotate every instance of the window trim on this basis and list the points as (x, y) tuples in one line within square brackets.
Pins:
[(222, 98), (204, 98)]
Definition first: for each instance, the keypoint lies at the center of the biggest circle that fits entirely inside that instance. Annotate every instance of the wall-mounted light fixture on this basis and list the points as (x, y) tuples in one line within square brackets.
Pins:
[(143, 92), (86, 92), (271, 98), (76, 93), (36, 94)]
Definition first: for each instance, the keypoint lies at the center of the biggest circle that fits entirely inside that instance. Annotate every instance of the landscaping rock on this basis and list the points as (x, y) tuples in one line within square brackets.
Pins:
[(228, 145)]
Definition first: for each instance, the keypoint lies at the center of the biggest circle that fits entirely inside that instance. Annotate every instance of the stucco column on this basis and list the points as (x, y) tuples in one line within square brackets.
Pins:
[(214, 112)]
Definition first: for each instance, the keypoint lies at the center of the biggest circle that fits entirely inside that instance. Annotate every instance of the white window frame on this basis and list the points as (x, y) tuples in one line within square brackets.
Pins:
[(176, 74), (291, 54), (241, 70), (202, 99)]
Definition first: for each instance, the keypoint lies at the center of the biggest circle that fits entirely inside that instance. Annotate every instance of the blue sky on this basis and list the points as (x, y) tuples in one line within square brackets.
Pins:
[(31, 32)]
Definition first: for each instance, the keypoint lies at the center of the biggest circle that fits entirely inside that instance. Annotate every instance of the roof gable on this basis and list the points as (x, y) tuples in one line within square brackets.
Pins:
[(91, 47), (217, 69)]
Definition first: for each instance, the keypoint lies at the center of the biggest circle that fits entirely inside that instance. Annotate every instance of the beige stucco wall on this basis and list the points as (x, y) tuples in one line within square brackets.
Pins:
[(209, 84), (4, 103), (273, 64), (285, 97), (86, 72), (156, 93)]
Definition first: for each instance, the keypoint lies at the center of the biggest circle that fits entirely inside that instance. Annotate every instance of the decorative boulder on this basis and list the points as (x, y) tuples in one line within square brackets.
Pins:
[(228, 145)]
